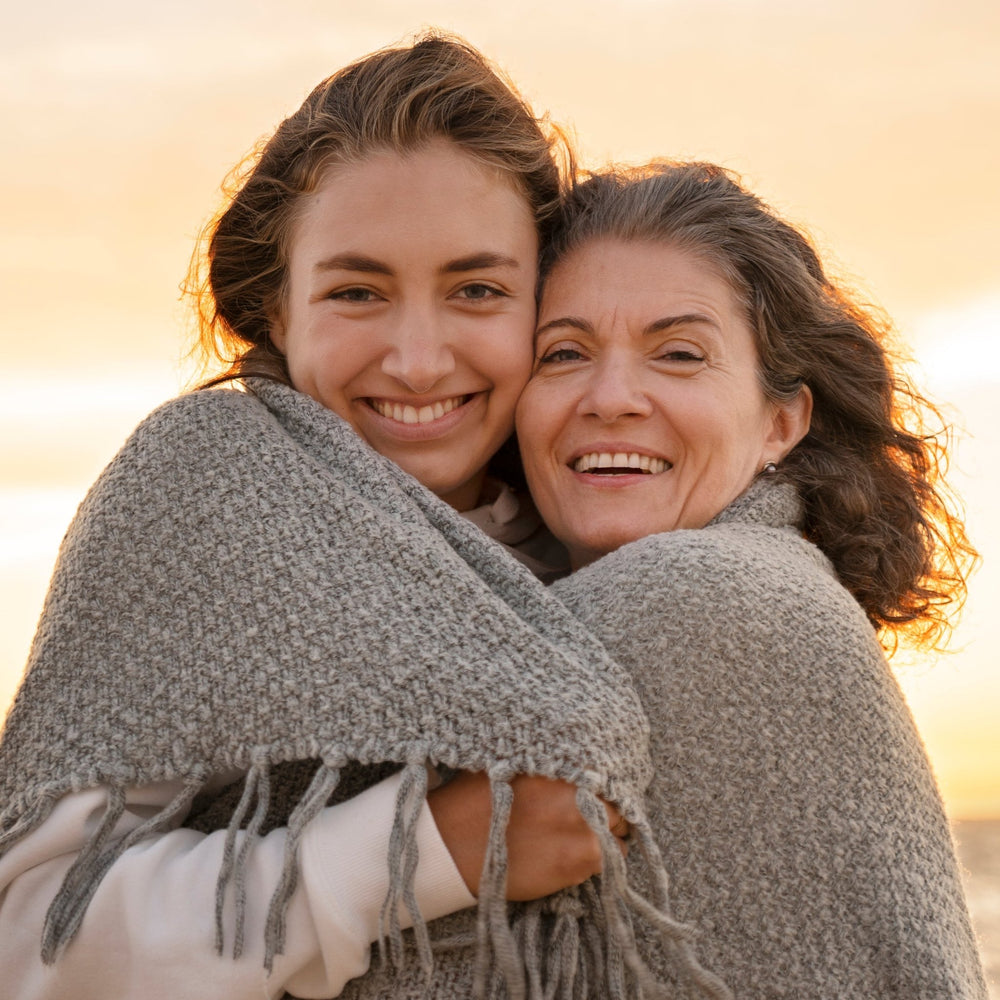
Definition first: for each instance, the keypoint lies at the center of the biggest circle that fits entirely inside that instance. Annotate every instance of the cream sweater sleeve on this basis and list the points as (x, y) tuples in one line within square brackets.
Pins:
[(149, 930)]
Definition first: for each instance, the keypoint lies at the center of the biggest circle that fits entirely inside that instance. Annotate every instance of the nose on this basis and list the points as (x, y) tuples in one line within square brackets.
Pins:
[(419, 354), (614, 391)]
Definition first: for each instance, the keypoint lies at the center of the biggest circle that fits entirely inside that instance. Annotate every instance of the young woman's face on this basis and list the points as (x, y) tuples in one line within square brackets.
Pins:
[(644, 413), (410, 309)]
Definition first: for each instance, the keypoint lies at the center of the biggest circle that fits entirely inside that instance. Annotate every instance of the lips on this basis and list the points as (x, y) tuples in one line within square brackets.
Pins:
[(406, 413), (619, 463)]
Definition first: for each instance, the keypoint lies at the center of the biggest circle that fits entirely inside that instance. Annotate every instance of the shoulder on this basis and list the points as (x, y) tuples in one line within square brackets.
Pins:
[(195, 445), (721, 562), (728, 587), (185, 436), (198, 414)]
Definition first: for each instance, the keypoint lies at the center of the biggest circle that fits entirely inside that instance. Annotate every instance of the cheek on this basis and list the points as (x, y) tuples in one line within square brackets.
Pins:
[(515, 370), (539, 424), (313, 366), (530, 421), (515, 354)]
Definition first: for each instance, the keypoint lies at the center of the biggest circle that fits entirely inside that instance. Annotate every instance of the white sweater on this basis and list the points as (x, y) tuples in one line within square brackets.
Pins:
[(149, 930)]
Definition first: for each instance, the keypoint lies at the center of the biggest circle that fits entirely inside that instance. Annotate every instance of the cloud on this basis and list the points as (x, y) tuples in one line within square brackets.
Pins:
[(959, 347)]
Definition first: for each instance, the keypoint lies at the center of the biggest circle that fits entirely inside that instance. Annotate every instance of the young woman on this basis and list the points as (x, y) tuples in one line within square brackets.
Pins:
[(257, 612)]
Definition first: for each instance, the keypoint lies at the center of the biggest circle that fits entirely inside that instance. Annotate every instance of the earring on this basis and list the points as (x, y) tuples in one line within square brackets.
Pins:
[(769, 469)]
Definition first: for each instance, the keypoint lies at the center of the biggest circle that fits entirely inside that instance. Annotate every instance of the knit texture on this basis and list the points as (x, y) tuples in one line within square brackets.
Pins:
[(810, 856), (249, 584), (791, 792)]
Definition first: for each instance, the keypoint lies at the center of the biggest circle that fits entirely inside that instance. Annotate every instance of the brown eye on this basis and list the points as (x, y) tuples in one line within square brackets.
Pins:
[(353, 295), (560, 354), (683, 355), (479, 292)]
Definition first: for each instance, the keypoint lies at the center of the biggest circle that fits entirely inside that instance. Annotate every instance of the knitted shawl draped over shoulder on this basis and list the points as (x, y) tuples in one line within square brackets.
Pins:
[(807, 839), (248, 584)]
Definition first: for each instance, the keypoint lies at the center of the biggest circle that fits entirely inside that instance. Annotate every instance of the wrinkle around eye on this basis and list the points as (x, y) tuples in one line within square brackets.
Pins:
[(682, 357), (560, 355)]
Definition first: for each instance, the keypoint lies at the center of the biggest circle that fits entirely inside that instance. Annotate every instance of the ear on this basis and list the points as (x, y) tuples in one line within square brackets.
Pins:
[(276, 333), (790, 424)]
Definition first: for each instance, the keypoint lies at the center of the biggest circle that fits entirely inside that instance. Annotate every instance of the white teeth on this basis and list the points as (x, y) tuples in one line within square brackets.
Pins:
[(620, 460), (407, 414)]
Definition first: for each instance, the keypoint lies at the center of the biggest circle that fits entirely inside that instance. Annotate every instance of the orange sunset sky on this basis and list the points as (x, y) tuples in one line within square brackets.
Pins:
[(875, 123)]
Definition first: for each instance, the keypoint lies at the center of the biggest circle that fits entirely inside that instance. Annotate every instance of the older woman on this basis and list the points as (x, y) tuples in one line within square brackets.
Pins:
[(699, 381)]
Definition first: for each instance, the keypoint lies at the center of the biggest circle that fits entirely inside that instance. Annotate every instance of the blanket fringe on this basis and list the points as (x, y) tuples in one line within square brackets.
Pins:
[(66, 911), (497, 951), (234, 862), (562, 948), (322, 786), (403, 858), (30, 819), (594, 932), (578, 943), (528, 933), (566, 947), (617, 894)]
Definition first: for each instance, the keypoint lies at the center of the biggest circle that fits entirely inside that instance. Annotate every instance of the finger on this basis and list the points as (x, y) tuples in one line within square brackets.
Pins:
[(622, 828), (613, 814), (617, 823)]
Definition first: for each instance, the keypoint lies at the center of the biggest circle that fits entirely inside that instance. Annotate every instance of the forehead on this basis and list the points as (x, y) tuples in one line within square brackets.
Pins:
[(611, 274), (432, 187)]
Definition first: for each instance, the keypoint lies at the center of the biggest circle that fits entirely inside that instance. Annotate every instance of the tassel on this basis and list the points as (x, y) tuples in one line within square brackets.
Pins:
[(322, 786), (493, 926), (616, 893), (595, 957), (564, 946), (403, 859), (229, 853), (252, 832), (66, 912), (36, 814), (234, 863), (528, 932)]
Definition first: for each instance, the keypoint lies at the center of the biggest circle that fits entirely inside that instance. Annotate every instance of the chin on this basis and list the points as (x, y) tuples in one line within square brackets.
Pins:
[(592, 547)]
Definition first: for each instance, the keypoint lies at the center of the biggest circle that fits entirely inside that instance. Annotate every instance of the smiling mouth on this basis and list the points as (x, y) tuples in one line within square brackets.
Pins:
[(404, 413), (620, 463)]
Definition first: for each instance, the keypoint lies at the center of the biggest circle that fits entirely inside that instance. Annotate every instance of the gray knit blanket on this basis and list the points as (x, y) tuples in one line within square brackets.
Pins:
[(791, 791), (249, 584)]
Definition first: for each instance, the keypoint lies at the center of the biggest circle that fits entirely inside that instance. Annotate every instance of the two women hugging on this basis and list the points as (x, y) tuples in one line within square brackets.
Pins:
[(511, 600)]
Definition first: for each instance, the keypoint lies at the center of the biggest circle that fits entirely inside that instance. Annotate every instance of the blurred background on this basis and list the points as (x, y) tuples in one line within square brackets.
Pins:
[(874, 124)]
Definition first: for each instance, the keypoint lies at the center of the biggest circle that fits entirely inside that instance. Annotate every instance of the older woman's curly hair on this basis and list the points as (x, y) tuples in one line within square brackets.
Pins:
[(869, 473)]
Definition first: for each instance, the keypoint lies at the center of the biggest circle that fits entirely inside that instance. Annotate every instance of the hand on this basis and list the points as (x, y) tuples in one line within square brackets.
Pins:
[(549, 844)]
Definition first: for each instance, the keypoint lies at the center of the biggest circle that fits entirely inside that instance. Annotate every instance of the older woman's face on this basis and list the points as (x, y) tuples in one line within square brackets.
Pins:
[(644, 412)]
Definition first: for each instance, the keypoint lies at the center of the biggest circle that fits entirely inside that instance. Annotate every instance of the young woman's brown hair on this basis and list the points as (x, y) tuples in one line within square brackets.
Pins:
[(397, 99)]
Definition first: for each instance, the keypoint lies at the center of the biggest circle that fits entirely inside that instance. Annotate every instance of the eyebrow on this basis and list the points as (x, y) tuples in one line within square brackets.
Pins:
[(657, 326), (351, 262), (369, 265), (480, 262), (574, 322), (688, 319)]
